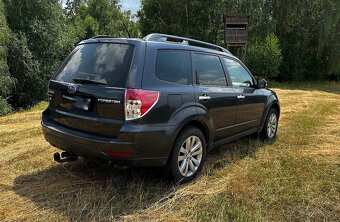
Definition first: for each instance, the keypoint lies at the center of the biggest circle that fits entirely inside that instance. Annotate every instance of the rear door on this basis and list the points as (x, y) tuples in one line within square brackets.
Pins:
[(250, 100), (213, 93), (87, 92)]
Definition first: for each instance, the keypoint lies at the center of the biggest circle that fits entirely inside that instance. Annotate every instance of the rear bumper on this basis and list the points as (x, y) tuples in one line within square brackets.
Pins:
[(147, 144)]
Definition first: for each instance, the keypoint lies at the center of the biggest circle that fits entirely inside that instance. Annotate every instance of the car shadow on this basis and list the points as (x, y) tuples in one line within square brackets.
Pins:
[(234, 151), (85, 191)]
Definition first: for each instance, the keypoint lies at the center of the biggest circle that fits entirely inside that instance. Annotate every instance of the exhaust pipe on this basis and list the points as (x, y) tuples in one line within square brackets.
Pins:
[(65, 157)]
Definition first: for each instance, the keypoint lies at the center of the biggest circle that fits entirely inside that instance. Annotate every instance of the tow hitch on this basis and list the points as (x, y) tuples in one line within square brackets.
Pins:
[(65, 157)]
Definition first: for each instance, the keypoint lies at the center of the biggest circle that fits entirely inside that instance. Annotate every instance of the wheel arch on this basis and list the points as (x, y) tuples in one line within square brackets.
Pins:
[(276, 106), (198, 124), (273, 104), (194, 122)]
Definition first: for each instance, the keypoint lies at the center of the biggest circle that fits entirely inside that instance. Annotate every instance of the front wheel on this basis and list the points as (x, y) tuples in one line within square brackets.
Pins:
[(188, 155), (270, 127)]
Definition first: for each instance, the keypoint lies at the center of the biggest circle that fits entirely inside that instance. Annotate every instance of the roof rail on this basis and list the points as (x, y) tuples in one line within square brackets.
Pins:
[(103, 36), (157, 37)]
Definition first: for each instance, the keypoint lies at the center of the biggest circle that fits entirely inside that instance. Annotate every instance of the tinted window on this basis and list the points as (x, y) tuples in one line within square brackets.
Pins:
[(239, 76), (101, 62), (208, 69), (172, 66)]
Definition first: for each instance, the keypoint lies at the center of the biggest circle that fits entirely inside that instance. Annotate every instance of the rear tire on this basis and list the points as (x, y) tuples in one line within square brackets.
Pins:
[(270, 126), (187, 156)]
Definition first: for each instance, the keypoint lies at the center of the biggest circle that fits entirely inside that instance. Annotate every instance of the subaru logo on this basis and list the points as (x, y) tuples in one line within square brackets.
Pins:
[(72, 88)]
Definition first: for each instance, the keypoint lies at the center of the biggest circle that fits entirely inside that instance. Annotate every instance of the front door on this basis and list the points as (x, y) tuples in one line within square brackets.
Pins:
[(250, 100)]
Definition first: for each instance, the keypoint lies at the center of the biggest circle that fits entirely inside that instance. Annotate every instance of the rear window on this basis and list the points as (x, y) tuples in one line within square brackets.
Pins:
[(105, 63), (172, 66), (209, 71)]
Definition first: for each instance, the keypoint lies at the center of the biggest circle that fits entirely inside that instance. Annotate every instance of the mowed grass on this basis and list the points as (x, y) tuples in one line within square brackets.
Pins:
[(296, 177)]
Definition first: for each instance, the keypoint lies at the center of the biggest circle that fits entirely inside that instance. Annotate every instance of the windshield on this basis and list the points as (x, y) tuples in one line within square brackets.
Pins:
[(104, 63)]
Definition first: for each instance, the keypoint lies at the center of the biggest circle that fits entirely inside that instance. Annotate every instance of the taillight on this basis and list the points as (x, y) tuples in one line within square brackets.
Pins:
[(138, 102)]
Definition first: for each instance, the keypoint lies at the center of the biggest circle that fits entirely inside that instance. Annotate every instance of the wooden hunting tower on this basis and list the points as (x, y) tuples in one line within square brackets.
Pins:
[(236, 32)]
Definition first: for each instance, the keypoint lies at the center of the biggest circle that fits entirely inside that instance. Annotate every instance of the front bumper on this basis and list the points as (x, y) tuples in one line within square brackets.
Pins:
[(149, 147)]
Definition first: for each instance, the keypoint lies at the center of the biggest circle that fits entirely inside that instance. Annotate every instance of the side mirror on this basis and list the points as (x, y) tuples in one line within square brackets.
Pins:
[(262, 83)]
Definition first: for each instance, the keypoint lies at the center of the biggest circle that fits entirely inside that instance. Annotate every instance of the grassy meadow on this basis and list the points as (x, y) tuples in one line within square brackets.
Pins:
[(294, 178)]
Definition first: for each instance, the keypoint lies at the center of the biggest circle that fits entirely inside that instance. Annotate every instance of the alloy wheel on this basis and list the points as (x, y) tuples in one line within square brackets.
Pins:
[(272, 125), (190, 156)]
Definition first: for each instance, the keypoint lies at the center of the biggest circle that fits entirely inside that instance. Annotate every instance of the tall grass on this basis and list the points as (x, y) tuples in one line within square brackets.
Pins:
[(293, 178)]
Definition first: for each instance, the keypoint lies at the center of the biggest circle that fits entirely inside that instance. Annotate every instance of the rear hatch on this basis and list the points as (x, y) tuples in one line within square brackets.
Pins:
[(87, 92)]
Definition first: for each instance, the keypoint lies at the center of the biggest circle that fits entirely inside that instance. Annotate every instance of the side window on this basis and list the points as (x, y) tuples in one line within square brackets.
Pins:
[(208, 70), (172, 66), (239, 76)]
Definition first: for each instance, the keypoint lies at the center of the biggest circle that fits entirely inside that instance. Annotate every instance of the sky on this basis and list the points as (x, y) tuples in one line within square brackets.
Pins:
[(132, 5)]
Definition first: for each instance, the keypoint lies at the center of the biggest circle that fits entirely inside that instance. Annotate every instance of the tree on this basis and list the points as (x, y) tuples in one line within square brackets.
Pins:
[(88, 18), (6, 81), (23, 67), (73, 7), (37, 25), (264, 58), (196, 19), (307, 30)]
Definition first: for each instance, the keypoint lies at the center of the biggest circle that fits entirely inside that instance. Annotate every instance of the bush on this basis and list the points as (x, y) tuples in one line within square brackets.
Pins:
[(29, 87), (264, 58), (5, 108)]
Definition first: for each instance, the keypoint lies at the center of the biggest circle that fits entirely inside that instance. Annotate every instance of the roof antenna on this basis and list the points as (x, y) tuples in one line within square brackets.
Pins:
[(126, 28)]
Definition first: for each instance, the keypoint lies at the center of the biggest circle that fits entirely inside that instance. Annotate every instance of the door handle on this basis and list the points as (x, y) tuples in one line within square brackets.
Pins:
[(204, 97), (241, 97)]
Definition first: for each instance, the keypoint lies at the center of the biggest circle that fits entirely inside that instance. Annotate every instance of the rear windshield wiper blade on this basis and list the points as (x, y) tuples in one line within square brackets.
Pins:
[(89, 81)]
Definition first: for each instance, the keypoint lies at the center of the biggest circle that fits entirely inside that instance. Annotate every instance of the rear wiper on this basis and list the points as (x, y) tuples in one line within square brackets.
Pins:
[(89, 81)]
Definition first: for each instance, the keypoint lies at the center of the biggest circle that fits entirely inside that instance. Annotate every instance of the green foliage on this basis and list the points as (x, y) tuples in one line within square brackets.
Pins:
[(42, 33), (99, 17), (6, 81), (196, 19), (264, 58), (30, 87), (35, 36), (5, 108), (36, 48), (307, 30), (43, 25), (91, 26)]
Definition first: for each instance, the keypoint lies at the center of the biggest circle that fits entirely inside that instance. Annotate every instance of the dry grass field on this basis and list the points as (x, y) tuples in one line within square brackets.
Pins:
[(295, 178)]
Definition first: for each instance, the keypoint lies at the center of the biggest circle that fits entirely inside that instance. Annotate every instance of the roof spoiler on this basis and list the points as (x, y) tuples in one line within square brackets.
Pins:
[(103, 36)]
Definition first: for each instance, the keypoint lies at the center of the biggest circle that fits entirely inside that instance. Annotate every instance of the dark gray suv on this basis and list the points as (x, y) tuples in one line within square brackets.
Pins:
[(159, 101)]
